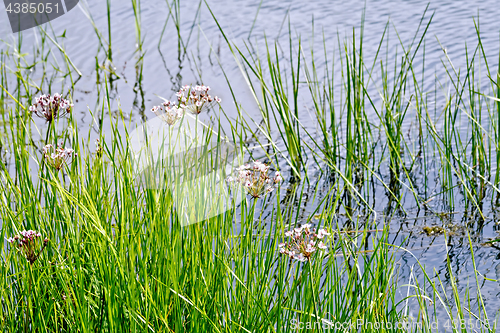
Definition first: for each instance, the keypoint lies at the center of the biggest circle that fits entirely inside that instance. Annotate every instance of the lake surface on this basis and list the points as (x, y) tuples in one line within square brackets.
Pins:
[(165, 69)]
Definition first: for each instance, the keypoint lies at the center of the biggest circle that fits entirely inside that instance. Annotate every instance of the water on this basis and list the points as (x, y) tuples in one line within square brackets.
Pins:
[(165, 69)]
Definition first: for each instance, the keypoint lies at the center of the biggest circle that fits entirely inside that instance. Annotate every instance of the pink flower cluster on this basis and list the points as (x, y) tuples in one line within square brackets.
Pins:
[(50, 107), (59, 156), (170, 112), (27, 244), (303, 243), (255, 178), (25, 237), (195, 98)]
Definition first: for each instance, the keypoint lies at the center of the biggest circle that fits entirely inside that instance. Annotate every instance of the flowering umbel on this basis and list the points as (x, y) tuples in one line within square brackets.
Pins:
[(303, 243), (169, 113), (50, 107), (256, 179), (27, 243), (59, 156), (196, 98), (99, 149)]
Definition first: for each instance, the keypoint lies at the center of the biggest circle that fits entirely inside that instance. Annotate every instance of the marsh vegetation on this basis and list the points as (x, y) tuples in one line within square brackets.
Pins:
[(352, 164)]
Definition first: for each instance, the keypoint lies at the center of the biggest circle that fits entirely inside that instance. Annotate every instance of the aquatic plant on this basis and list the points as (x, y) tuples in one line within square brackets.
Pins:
[(303, 243), (255, 179), (169, 113), (233, 259), (99, 148), (59, 156), (28, 245), (50, 107), (196, 99)]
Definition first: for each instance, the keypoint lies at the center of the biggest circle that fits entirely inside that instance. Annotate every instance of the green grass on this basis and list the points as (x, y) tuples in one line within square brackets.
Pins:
[(121, 257)]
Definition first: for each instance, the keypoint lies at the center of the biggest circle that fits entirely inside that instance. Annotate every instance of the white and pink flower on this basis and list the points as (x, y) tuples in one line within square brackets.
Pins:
[(255, 178), (303, 243), (168, 112), (27, 243), (57, 157), (196, 98), (50, 107)]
